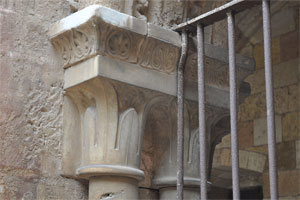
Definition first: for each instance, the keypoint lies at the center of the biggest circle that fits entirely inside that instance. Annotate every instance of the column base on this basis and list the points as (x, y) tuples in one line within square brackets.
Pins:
[(168, 193), (112, 187)]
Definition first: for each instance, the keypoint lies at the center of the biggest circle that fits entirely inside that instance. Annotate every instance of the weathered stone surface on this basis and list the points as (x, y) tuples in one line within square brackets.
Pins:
[(251, 161), (289, 44), (284, 74), (31, 93), (254, 106), (31, 115), (294, 97), (286, 154), (297, 154), (281, 100), (290, 126), (258, 53), (263, 149), (245, 131), (288, 183), (260, 130), (285, 22), (109, 187)]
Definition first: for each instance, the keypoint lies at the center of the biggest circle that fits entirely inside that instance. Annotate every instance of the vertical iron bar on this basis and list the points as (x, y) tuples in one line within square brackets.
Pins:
[(269, 99), (180, 124), (233, 108), (201, 104)]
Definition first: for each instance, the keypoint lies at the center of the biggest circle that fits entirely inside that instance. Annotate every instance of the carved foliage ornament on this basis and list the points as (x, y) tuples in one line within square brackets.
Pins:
[(98, 37), (159, 56), (77, 43)]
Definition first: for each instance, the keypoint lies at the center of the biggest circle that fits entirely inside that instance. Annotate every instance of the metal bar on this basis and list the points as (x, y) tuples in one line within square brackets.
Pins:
[(269, 99), (233, 108), (180, 124), (217, 14), (201, 104)]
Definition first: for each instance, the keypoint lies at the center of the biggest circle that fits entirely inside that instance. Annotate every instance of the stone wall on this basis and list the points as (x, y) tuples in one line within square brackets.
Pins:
[(252, 113), (31, 91)]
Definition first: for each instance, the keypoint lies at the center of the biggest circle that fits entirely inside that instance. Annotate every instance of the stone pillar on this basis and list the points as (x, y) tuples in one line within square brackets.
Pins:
[(121, 72), (101, 140), (111, 62), (163, 118)]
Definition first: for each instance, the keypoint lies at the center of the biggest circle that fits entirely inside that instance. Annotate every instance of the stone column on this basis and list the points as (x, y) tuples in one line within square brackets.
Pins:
[(114, 64), (120, 71), (162, 125)]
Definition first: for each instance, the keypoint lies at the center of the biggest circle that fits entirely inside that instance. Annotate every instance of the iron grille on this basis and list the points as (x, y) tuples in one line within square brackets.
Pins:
[(197, 25)]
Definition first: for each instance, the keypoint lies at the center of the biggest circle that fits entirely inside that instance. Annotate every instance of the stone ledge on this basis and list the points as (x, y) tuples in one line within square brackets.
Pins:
[(109, 170), (143, 78)]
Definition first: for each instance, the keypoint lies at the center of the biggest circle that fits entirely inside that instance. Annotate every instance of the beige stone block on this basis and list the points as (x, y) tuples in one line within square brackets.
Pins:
[(298, 154), (260, 131), (225, 157), (286, 154), (247, 160), (217, 158), (256, 162), (263, 149), (245, 131), (243, 159), (253, 107), (289, 183), (284, 74), (281, 100), (258, 53), (289, 44), (266, 185), (294, 97), (290, 126), (290, 198)]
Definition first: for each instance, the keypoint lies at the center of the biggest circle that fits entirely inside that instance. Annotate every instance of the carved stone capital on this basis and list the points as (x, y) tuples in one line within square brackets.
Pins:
[(121, 81), (107, 139), (98, 30), (160, 145)]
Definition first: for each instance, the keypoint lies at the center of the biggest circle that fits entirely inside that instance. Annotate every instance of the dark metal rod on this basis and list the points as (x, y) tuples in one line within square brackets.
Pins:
[(233, 108), (201, 104), (217, 14), (180, 115), (269, 99)]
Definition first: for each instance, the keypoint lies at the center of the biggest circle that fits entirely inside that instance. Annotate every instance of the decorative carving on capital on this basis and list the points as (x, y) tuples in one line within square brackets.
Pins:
[(121, 44), (77, 43), (106, 32), (159, 56)]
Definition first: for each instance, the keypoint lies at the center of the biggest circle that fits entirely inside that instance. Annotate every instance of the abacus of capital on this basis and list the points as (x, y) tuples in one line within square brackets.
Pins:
[(120, 82)]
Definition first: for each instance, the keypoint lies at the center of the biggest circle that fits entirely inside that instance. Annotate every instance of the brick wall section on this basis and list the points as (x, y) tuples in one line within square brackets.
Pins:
[(285, 50)]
